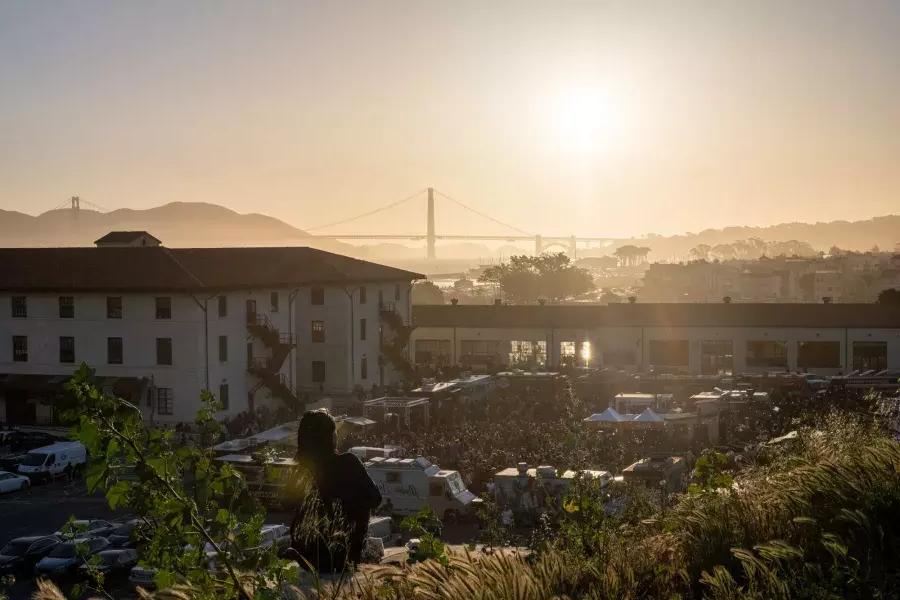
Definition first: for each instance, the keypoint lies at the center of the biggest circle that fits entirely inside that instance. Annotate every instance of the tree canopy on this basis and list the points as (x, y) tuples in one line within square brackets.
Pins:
[(531, 278)]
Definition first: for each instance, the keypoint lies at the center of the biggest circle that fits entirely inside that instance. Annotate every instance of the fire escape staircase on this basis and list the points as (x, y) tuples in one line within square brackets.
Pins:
[(268, 369), (393, 347)]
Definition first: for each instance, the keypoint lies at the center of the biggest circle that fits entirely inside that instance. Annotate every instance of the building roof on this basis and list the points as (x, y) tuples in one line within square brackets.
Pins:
[(659, 315), (144, 269), (124, 237)]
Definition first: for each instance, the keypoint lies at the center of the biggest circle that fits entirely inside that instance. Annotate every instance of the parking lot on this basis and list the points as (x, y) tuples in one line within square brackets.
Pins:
[(44, 508)]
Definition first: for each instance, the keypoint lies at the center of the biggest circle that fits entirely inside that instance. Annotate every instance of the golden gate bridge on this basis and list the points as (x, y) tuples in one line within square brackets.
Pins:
[(567, 243)]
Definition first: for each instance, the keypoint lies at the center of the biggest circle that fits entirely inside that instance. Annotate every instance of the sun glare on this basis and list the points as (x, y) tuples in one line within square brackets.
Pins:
[(586, 120)]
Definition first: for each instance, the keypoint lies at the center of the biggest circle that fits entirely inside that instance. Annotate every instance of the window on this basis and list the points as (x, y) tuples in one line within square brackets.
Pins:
[(819, 354), (716, 357), (273, 301), (223, 348), (362, 295), (165, 401), (223, 306), (19, 307), (484, 352), (113, 307), (672, 353), (318, 332), (765, 353), (318, 371), (66, 307), (317, 296), (164, 308), (397, 292), (432, 352), (164, 351), (114, 350), (528, 354), (567, 354), (66, 349), (20, 348), (223, 395), (362, 330), (364, 368), (392, 477), (868, 356)]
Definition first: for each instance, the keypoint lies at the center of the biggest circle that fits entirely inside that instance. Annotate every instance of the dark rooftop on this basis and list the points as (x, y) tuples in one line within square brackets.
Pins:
[(124, 237), (182, 269), (658, 315)]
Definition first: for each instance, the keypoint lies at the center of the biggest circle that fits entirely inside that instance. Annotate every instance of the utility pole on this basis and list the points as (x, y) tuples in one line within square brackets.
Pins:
[(430, 232)]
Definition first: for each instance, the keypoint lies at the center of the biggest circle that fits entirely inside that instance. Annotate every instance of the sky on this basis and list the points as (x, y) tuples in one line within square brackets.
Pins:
[(589, 118)]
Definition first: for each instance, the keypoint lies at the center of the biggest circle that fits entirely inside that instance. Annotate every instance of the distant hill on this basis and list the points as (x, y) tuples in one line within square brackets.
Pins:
[(185, 224), (178, 224), (883, 232)]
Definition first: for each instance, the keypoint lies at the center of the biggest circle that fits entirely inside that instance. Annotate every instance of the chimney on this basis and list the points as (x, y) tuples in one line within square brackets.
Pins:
[(454, 301), (726, 299), (632, 299)]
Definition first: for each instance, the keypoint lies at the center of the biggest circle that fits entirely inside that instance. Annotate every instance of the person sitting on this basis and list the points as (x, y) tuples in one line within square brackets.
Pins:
[(332, 520)]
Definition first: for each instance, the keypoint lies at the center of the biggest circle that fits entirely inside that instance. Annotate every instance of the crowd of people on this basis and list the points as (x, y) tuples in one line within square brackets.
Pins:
[(515, 426)]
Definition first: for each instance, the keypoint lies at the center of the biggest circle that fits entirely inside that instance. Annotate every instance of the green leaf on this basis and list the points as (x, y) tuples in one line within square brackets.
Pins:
[(116, 494)]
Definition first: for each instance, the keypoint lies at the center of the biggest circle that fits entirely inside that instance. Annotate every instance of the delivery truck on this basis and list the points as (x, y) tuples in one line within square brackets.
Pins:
[(408, 485)]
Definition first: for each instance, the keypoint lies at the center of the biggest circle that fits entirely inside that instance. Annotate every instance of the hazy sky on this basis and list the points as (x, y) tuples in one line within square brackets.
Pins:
[(606, 118)]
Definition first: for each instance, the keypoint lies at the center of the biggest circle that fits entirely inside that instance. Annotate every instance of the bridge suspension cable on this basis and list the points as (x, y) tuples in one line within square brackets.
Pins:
[(482, 215), (365, 214)]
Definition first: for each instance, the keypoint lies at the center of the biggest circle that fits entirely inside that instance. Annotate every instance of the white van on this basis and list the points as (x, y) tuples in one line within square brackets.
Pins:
[(407, 485), (49, 462)]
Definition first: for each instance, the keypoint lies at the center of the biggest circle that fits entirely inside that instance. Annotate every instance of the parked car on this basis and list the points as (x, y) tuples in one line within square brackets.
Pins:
[(276, 536), (49, 462), (67, 557), (10, 482), (22, 441), (21, 554), (124, 534), (86, 528), (114, 564), (11, 462)]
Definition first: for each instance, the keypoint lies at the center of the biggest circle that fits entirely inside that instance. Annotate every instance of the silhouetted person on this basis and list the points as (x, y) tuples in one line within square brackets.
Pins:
[(344, 489)]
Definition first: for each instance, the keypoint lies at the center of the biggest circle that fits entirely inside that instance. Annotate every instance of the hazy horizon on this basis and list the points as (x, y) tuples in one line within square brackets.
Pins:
[(558, 118)]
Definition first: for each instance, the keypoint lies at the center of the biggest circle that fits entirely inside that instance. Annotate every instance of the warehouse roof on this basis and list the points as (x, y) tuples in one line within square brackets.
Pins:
[(182, 269)]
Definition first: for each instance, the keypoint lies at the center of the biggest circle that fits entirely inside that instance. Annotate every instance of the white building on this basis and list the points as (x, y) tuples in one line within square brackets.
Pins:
[(256, 326), (676, 338)]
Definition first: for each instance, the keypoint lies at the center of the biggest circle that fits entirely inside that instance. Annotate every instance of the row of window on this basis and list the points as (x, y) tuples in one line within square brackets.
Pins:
[(165, 399), (164, 304), (671, 353), (163, 307), (114, 350)]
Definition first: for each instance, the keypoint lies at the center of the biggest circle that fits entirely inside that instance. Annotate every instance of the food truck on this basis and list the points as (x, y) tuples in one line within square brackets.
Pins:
[(528, 491), (409, 484)]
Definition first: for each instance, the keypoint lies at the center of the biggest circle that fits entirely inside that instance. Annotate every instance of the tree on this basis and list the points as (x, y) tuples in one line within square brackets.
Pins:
[(890, 296), (530, 278), (700, 252), (197, 510), (425, 292), (630, 255)]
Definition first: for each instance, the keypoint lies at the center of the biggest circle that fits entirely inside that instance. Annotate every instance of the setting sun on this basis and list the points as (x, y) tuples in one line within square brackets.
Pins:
[(586, 119)]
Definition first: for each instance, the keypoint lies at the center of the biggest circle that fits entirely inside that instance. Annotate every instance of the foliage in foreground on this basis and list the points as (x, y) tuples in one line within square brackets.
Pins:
[(812, 518)]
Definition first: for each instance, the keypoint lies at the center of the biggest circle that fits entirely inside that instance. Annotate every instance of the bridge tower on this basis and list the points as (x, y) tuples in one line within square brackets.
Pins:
[(573, 248), (538, 245), (430, 236)]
